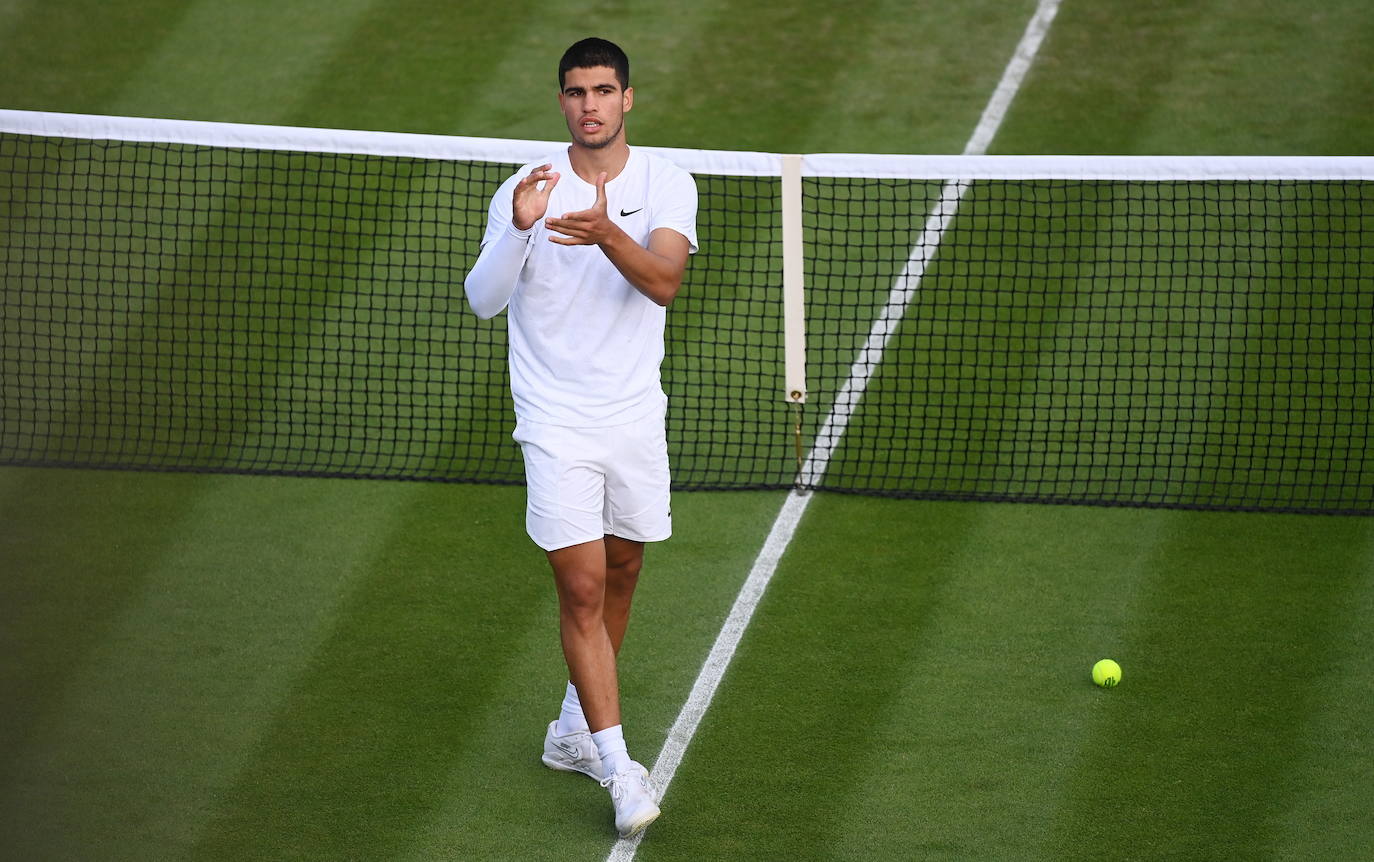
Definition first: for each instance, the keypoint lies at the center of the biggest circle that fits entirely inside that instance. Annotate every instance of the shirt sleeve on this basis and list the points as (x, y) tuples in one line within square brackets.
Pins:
[(675, 206), (492, 280)]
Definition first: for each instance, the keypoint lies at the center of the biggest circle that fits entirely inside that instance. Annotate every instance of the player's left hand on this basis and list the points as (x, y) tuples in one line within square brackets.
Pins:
[(585, 227)]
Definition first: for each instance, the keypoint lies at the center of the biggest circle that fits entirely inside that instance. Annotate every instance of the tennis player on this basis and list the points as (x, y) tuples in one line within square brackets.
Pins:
[(586, 250)]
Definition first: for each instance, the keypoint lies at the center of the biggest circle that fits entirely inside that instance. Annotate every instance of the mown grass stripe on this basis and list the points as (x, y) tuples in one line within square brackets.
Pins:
[(216, 52), (1231, 642), (1331, 780), (352, 756), (77, 56), (69, 577), (159, 714), (991, 699)]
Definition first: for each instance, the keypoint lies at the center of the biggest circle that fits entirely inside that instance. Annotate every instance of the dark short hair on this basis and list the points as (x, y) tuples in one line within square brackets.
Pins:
[(594, 52)]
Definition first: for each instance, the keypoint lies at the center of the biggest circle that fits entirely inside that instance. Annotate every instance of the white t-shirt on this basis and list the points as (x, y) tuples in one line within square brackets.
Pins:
[(585, 345)]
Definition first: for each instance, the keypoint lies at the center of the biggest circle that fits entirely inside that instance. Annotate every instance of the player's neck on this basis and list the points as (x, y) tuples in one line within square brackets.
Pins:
[(587, 163)]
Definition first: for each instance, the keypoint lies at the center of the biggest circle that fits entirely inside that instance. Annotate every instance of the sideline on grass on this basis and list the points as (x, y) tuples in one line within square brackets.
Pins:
[(785, 526)]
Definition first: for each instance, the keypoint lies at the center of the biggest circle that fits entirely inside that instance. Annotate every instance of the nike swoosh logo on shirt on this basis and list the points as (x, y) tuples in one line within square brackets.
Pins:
[(623, 213)]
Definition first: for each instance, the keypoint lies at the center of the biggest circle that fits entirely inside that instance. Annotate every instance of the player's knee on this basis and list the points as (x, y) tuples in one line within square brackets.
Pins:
[(622, 578), (623, 562), (582, 598)]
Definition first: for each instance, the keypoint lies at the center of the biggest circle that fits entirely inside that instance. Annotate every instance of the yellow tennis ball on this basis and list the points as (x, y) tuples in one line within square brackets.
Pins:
[(1106, 673)]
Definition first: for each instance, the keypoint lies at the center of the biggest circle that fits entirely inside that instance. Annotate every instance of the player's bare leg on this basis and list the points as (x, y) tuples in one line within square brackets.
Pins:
[(580, 575), (568, 743), (624, 560), (596, 582)]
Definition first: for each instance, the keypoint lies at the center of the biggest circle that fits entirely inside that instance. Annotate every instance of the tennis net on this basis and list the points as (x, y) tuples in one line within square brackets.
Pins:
[(1154, 332)]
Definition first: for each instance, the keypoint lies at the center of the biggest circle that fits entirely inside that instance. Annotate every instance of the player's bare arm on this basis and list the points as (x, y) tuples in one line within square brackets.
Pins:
[(655, 271), (530, 201)]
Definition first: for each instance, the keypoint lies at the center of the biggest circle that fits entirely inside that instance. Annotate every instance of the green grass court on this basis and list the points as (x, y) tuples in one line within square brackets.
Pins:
[(241, 667)]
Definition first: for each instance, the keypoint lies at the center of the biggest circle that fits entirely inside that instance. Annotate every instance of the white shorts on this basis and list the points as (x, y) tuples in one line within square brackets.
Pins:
[(586, 483)]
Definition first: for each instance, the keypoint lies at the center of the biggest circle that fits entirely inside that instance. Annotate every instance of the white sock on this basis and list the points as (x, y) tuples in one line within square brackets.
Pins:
[(611, 745), (571, 719)]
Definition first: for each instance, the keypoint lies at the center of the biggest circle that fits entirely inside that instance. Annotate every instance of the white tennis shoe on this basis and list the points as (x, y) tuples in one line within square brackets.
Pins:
[(574, 752), (633, 798)]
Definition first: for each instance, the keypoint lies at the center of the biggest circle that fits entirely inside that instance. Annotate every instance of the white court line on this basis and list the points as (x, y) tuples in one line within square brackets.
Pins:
[(785, 526)]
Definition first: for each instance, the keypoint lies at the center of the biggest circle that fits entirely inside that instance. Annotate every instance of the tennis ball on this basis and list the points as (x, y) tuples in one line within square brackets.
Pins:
[(1106, 673)]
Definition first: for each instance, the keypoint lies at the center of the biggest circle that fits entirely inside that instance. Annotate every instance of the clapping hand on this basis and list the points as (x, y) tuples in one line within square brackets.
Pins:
[(584, 227), (530, 201)]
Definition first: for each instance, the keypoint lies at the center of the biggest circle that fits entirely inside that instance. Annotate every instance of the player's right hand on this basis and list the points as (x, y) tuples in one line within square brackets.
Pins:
[(530, 201)]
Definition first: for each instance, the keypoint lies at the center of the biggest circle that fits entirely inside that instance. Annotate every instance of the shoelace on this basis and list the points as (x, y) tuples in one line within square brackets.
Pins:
[(617, 781)]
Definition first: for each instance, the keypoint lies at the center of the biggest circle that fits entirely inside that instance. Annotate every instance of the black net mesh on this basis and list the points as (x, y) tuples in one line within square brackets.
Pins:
[(1193, 344), (1183, 344), (178, 307)]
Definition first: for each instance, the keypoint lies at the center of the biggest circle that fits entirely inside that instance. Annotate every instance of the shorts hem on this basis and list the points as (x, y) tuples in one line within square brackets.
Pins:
[(560, 544), (653, 537)]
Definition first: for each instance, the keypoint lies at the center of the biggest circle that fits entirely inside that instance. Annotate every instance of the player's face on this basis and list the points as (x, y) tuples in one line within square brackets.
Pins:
[(594, 106)]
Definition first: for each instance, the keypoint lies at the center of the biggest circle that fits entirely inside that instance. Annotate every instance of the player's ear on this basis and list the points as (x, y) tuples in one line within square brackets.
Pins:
[(628, 98)]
